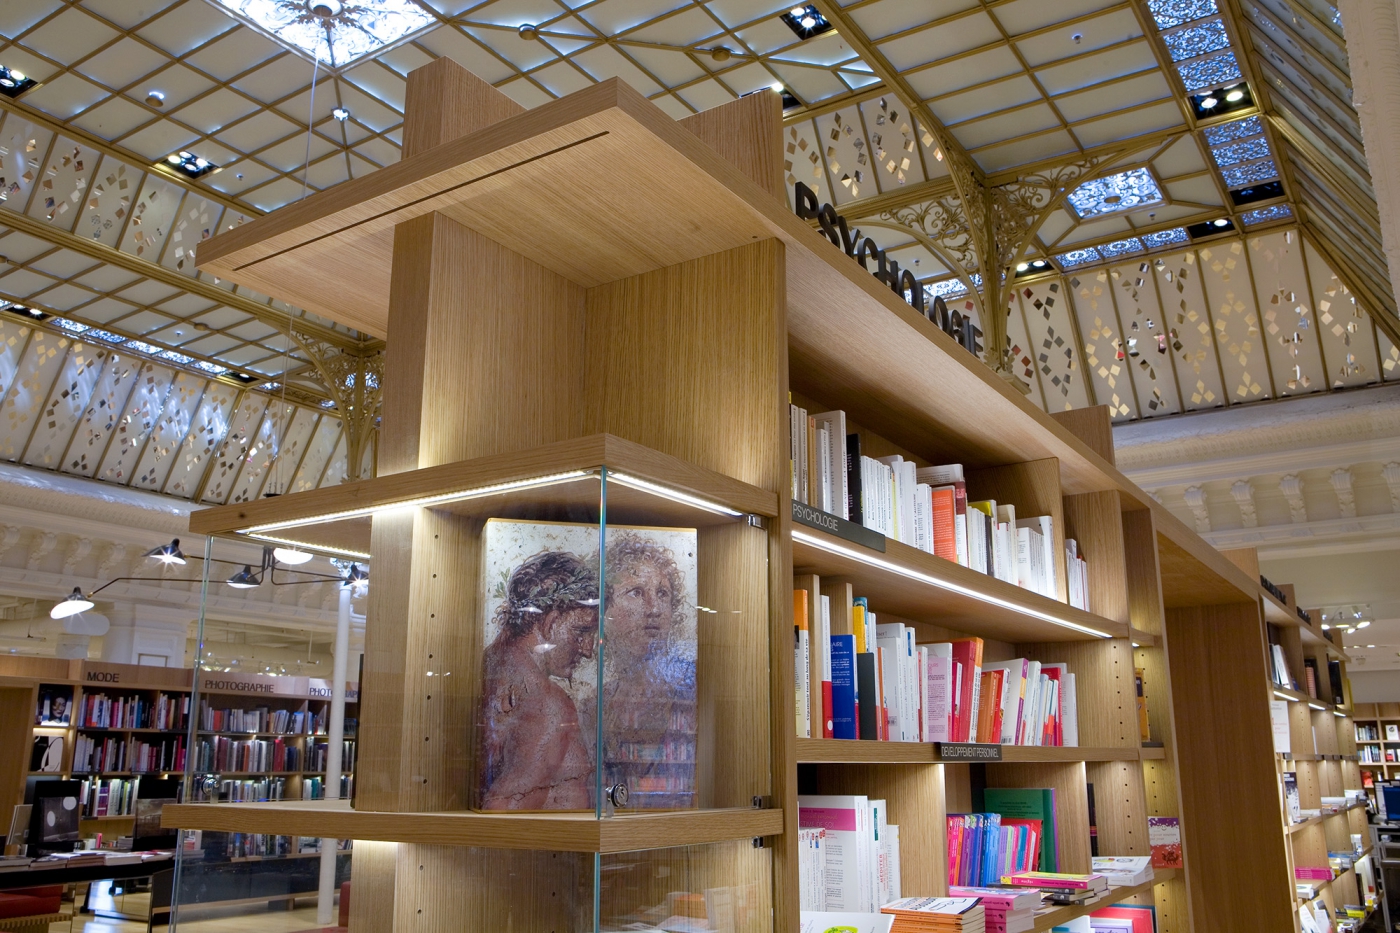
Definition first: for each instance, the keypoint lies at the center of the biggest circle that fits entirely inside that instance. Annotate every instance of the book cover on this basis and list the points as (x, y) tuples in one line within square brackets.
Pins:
[(826, 921), (1164, 835), (55, 705), (834, 423), (850, 856), (1291, 798), (541, 700), (843, 687), (854, 492), (968, 653), (945, 522), (1029, 803), (802, 662), (989, 706), (868, 707)]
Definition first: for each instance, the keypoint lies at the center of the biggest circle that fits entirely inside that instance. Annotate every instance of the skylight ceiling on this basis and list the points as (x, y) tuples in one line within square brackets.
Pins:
[(335, 32)]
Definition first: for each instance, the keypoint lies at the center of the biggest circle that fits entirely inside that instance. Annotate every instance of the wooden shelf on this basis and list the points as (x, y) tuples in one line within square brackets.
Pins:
[(564, 832), (854, 751), (909, 583), (1312, 820), (1051, 917)]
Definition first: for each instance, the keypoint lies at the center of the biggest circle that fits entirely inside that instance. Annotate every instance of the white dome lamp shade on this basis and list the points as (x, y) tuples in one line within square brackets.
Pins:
[(291, 556), (74, 604), (245, 579)]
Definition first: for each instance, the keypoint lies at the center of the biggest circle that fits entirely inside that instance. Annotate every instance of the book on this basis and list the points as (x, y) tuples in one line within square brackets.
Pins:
[(1124, 870), (825, 921), (1164, 835), (1130, 918), (989, 706), (851, 870), (1291, 798), (811, 859), (854, 493), (939, 677), (936, 914), (802, 662), (836, 497), (966, 652), (1012, 697), (1144, 732), (844, 698), (1032, 803), (1058, 881), (949, 477), (822, 639)]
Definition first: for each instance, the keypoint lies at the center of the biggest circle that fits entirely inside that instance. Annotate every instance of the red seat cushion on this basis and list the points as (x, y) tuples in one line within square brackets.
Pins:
[(30, 902), (344, 917)]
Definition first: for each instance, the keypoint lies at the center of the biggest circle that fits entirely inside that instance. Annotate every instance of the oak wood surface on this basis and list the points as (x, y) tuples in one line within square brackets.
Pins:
[(16, 720), (1093, 426), (942, 593), (855, 751), (444, 101), (562, 832)]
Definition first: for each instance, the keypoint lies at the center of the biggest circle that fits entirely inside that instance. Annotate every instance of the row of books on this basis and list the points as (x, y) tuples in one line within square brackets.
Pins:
[(318, 754), (110, 797), (925, 507), (257, 845), (260, 719), (853, 864), (314, 788), (98, 756), (166, 711), (878, 683), (244, 791), (1368, 732), (983, 847), (224, 754)]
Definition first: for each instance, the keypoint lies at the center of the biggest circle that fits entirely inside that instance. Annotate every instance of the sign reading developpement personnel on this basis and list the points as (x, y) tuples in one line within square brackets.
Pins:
[(968, 751)]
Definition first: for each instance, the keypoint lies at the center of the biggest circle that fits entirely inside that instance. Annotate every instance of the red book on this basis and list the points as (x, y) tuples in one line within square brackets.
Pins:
[(968, 653)]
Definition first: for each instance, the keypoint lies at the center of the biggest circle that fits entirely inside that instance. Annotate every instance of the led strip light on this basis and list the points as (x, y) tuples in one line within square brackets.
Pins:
[(308, 546), (834, 548), (685, 498)]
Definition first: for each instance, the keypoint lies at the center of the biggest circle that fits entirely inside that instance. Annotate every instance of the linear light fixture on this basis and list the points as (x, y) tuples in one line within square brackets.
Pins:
[(304, 545), (457, 496), (1319, 707), (1339, 715), (871, 560), (1284, 696), (685, 498)]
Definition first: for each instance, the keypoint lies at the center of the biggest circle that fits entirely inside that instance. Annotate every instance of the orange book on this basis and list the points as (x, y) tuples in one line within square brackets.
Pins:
[(989, 707), (802, 666), (945, 523)]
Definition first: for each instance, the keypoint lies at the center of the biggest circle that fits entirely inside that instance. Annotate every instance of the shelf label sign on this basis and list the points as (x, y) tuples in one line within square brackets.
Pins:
[(968, 751), (901, 281), (834, 525)]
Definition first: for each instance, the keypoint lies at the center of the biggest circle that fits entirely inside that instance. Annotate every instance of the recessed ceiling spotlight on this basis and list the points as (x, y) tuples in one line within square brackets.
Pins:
[(326, 8), (341, 114), (189, 164), (806, 21), (1038, 263), (1209, 103), (1234, 96), (528, 31), (1222, 222), (1022, 267), (155, 98), (13, 82)]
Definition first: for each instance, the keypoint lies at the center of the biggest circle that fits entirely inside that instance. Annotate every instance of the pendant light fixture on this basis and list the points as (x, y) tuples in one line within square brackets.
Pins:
[(245, 579), (168, 553), (291, 556), (74, 604)]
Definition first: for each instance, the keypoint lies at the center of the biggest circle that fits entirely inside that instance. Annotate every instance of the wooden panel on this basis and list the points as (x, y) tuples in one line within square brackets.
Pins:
[(373, 871), (16, 718), (915, 797), (1094, 520), (488, 889), (1144, 579), (1093, 426), (445, 101), (416, 730), (1245, 558), (464, 313), (1223, 739), (1157, 689), (1193, 572), (1034, 488), (654, 347), (1120, 807), (912, 584), (732, 668), (748, 133), (1071, 804), (841, 592)]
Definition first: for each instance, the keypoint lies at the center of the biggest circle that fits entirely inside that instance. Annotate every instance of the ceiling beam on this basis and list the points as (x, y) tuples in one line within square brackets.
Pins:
[(144, 267), (902, 197), (1381, 311)]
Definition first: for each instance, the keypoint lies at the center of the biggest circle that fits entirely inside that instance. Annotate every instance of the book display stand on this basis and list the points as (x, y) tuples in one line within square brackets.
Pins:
[(595, 316)]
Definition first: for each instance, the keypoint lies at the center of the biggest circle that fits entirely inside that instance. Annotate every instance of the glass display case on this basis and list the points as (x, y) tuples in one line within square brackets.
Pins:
[(565, 678)]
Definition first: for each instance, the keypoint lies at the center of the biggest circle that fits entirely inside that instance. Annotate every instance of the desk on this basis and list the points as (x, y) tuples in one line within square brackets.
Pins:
[(9, 880)]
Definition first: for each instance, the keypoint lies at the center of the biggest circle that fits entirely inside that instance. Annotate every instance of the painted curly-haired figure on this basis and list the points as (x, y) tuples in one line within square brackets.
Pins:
[(649, 689), (533, 752)]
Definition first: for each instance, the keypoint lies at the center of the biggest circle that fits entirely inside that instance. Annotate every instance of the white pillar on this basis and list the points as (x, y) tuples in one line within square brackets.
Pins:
[(334, 741), (1373, 49)]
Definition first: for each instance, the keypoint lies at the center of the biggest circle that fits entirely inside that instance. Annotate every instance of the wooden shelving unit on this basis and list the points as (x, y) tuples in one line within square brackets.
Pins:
[(611, 289)]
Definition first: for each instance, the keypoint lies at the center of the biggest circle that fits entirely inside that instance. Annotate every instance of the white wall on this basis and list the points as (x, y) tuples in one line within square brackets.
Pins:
[(1374, 686)]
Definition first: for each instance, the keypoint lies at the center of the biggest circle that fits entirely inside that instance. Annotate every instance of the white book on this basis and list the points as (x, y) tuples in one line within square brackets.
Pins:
[(1026, 548), (923, 517), (802, 667), (1006, 542), (924, 722), (848, 843), (823, 469), (1069, 705), (1047, 535), (892, 847), (940, 691), (912, 691), (880, 867), (1032, 704), (908, 500), (823, 636), (835, 422), (896, 496), (802, 464), (889, 636)]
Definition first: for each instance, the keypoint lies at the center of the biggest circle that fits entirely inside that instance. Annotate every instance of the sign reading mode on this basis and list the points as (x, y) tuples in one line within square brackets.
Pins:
[(901, 281)]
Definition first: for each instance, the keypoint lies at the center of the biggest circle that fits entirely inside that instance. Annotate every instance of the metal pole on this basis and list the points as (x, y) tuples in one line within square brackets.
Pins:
[(325, 900)]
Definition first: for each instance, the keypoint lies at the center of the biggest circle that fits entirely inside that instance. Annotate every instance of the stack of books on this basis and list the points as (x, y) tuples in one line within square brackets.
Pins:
[(1060, 887), (983, 847), (1124, 871), (1008, 910), (937, 915), (857, 861)]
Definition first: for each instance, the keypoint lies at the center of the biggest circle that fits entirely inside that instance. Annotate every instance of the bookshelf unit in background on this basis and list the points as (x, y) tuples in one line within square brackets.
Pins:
[(125, 722), (689, 220), (263, 737)]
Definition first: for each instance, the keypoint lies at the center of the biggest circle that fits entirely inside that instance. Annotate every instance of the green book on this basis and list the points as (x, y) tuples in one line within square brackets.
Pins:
[(1029, 803)]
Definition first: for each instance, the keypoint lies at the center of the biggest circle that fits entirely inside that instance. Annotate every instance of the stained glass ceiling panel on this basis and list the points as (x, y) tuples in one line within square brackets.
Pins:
[(335, 32), (1126, 191)]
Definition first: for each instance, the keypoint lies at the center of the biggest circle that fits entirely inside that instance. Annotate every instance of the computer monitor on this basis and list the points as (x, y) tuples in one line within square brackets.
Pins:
[(1390, 801), (53, 821), (152, 794)]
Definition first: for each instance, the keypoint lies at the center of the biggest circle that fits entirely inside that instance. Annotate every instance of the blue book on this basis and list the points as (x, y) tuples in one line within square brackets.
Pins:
[(843, 687), (991, 843)]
